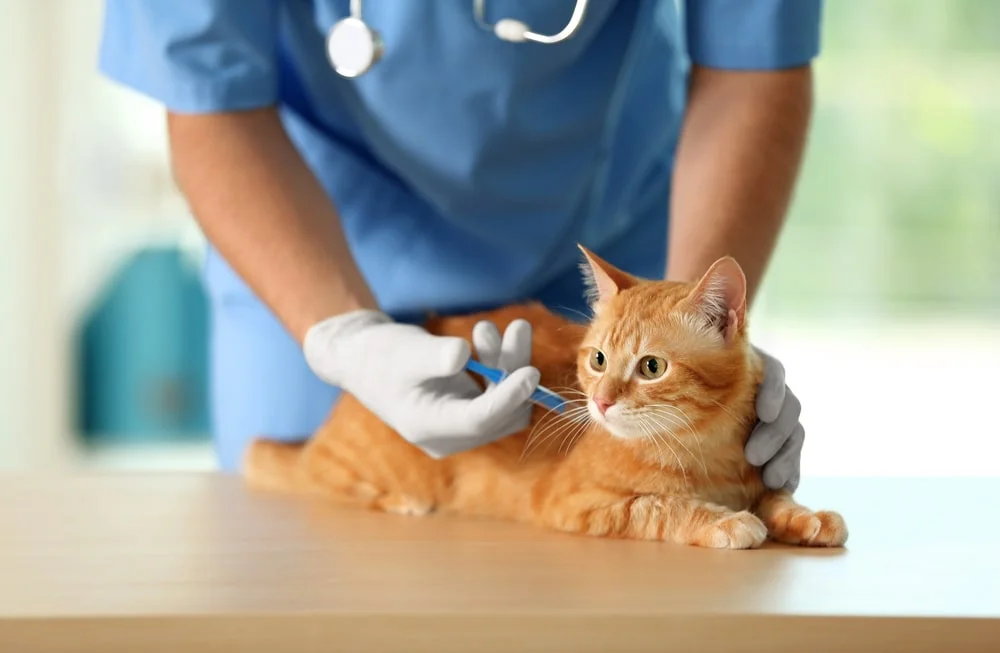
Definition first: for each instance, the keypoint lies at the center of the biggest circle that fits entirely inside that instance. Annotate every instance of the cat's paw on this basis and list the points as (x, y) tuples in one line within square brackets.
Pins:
[(404, 505), (806, 528), (740, 530)]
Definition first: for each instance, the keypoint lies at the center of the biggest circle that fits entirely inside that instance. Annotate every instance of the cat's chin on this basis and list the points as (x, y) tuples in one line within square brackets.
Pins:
[(624, 433)]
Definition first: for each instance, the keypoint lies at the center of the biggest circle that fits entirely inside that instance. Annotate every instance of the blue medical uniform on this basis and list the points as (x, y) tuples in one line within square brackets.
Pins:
[(464, 168)]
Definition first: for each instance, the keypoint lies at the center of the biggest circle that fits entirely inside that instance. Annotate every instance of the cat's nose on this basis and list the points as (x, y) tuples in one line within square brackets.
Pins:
[(603, 404)]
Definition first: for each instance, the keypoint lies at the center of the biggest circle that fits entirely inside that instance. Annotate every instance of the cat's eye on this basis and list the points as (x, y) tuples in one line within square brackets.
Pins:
[(652, 367), (598, 360)]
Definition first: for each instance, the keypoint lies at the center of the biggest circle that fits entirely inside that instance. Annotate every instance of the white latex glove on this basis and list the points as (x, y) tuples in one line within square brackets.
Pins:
[(510, 353), (415, 382), (776, 442)]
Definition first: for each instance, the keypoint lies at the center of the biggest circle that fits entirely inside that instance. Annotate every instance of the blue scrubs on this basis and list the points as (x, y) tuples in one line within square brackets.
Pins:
[(464, 168)]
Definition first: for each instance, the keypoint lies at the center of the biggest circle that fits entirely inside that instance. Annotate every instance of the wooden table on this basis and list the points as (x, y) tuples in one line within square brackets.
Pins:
[(197, 563)]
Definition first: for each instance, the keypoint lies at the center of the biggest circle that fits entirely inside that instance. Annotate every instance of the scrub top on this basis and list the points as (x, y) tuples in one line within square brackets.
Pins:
[(464, 168)]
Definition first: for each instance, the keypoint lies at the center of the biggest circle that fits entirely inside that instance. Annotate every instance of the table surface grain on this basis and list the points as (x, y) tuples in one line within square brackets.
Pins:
[(198, 562)]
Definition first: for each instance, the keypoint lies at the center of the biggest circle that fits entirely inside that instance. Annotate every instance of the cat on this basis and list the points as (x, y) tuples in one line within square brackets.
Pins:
[(660, 390)]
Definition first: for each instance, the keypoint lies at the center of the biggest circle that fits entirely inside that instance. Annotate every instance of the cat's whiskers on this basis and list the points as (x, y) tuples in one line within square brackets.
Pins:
[(657, 416), (697, 438), (561, 421), (570, 432), (535, 440), (572, 436), (657, 435), (570, 409), (726, 409), (586, 318), (572, 392), (571, 413), (677, 410), (652, 438), (680, 463), (677, 415)]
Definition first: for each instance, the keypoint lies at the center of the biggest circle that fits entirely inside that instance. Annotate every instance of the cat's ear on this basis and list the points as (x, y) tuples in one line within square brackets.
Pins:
[(721, 297), (602, 279)]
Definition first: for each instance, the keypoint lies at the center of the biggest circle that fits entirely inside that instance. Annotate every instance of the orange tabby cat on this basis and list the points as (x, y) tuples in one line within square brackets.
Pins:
[(661, 389)]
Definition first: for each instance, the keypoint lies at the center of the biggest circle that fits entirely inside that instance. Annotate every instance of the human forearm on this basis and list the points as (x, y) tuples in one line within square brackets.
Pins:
[(740, 150), (260, 205)]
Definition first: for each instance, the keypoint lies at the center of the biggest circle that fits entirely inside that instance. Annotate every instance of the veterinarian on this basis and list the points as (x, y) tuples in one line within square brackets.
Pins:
[(451, 162)]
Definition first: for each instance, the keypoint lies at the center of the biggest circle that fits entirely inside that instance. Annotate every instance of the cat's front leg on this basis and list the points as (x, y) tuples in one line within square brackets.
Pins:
[(605, 513), (792, 523)]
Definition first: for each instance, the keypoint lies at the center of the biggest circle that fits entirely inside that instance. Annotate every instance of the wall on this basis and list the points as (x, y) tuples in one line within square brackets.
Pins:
[(84, 181), (34, 364)]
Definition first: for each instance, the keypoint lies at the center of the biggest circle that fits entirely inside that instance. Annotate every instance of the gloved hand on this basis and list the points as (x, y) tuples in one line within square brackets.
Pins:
[(415, 382), (509, 353), (776, 441)]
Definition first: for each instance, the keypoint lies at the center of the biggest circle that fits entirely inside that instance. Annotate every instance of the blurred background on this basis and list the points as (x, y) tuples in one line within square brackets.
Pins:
[(883, 301)]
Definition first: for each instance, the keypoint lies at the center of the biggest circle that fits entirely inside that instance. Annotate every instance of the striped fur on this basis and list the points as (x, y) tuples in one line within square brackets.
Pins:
[(666, 463)]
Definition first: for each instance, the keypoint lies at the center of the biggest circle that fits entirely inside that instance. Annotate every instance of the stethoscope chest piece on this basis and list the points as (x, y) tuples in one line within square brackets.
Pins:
[(353, 47)]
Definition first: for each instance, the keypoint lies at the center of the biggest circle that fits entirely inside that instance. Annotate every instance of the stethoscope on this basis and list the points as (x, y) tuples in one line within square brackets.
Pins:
[(353, 47)]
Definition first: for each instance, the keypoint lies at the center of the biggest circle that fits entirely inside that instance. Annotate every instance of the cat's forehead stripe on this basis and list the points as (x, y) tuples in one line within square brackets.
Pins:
[(624, 333)]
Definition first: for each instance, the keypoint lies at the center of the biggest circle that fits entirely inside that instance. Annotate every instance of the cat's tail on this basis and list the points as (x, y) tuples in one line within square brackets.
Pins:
[(276, 466)]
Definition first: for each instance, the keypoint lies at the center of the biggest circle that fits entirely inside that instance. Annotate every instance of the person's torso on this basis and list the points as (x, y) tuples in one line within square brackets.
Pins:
[(465, 168)]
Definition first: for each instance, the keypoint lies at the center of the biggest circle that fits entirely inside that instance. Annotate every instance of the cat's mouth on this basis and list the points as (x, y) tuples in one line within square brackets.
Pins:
[(630, 423), (618, 421)]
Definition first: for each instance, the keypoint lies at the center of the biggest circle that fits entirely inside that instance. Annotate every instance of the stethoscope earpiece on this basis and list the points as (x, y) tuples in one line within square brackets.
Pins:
[(511, 30), (353, 47), (515, 31)]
